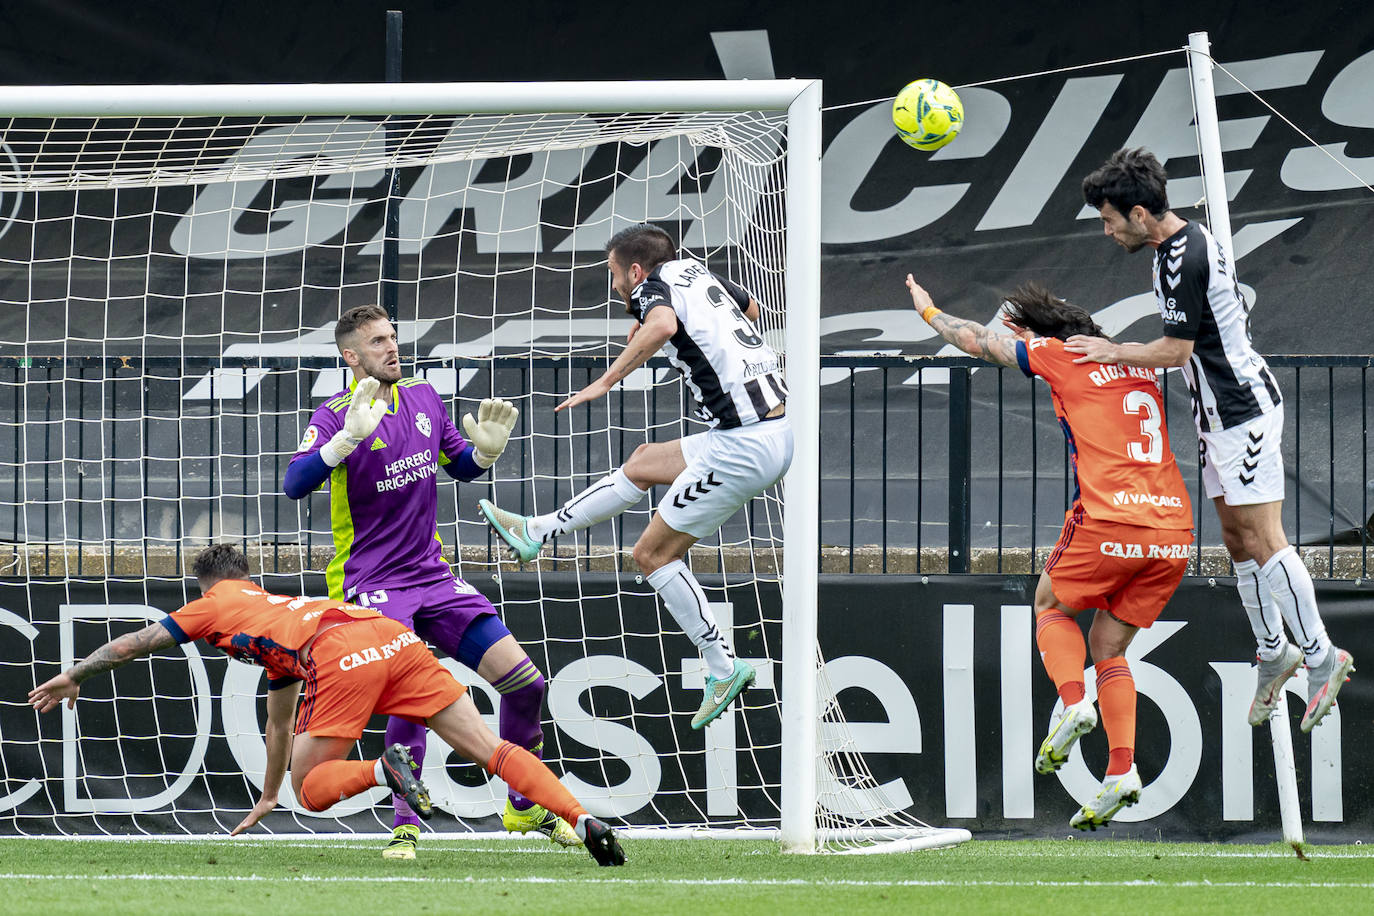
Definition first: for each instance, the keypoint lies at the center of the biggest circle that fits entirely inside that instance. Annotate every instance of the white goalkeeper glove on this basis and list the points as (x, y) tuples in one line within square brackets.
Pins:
[(490, 431), (363, 417)]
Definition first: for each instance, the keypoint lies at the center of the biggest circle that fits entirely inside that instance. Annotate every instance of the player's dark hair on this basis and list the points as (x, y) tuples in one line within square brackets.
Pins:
[(354, 318), (220, 561), (1129, 178), (644, 244), (1038, 310)]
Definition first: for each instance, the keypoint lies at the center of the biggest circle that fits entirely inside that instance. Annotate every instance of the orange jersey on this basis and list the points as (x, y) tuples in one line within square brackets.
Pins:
[(1113, 419), (258, 627)]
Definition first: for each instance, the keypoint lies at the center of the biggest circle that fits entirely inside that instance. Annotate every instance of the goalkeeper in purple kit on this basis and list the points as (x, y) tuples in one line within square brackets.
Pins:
[(380, 445)]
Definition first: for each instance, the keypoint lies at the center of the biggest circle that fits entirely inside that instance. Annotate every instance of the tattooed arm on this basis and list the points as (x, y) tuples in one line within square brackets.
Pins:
[(116, 652), (969, 336)]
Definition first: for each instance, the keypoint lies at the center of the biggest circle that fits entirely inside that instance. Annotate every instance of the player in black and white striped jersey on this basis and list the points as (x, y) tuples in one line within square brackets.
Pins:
[(1239, 416), (706, 325)]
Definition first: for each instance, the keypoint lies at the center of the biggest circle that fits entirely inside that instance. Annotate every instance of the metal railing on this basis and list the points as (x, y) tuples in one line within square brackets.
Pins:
[(928, 463)]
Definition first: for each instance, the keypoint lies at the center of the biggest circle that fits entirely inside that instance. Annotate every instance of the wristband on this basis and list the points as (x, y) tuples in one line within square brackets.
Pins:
[(929, 312)]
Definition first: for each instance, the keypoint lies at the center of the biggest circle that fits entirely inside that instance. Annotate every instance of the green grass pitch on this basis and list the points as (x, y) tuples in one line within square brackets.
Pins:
[(334, 876)]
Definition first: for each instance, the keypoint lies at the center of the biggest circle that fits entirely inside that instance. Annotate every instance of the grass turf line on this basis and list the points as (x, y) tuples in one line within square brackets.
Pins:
[(666, 876)]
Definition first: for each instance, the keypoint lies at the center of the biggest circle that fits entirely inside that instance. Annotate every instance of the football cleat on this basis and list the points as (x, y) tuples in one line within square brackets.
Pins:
[(1324, 682), (1073, 723), (1117, 792), (399, 769), (403, 841), (511, 528), (602, 843), (719, 693), (1270, 676), (539, 819)]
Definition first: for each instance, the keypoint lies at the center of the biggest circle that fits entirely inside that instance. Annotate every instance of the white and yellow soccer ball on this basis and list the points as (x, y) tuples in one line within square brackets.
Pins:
[(927, 114)]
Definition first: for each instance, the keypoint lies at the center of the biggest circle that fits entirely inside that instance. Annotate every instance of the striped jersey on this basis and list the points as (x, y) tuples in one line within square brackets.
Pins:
[(733, 374), (1200, 300), (1113, 420), (384, 497)]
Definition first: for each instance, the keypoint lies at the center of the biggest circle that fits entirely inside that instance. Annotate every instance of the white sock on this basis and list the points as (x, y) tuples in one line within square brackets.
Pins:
[(1265, 620), (686, 601), (580, 828), (607, 498), (378, 773), (1291, 586)]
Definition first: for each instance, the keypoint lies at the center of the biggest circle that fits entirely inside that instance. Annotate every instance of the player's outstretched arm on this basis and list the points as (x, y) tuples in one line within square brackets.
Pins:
[(490, 432), (1163, 353), (969, 336), (281, 708), (645, 340), (116, 652)]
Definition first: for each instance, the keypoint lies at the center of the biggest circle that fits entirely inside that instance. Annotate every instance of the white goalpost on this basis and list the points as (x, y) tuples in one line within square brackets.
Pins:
[(188, 251)]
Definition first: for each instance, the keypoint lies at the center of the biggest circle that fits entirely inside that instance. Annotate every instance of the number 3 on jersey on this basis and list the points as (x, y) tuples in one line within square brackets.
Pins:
[(1151, 451), (746, 335)]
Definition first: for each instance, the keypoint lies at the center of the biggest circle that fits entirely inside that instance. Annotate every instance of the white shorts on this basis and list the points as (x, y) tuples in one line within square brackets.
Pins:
[(725, 469), (1244, 464)]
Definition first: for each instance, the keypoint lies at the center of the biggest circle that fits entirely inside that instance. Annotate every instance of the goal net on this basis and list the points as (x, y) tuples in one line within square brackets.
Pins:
[(175, 260)]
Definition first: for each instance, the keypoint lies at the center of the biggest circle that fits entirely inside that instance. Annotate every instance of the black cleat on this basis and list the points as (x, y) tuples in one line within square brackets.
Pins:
[(399, 771), (601, 842)]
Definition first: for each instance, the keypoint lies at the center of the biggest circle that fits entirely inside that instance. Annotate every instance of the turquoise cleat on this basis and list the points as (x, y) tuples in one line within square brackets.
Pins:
[(511, 528), (719, 693)]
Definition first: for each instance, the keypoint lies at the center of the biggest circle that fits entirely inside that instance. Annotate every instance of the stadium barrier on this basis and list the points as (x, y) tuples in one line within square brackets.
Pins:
[(937, 676)]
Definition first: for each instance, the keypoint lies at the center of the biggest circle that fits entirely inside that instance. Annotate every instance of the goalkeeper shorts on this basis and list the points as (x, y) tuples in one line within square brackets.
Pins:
[(1125, 569), (371, 666), (725, 469)]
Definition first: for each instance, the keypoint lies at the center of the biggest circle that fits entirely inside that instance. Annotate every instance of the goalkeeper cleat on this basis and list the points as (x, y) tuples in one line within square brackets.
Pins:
[(511, 528), (602, 843), (1073, 723), (1117, 792), (719, 693), (1324, 682), (539, 819), (403, 841), (1270, 676), (399, 769)]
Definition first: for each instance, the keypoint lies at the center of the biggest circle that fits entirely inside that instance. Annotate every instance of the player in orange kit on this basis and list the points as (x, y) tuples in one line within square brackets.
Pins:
[(1125, 543), (354, 663)]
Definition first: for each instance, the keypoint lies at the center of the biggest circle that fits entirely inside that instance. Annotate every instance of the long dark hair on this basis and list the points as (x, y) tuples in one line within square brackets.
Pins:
[(1038, 310)]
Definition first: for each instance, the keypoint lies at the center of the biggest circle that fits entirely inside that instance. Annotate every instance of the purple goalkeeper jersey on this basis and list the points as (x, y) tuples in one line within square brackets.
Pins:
[(384, 498)]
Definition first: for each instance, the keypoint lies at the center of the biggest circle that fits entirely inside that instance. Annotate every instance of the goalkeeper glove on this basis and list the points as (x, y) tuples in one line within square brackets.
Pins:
[(363, 417), (489, 432)]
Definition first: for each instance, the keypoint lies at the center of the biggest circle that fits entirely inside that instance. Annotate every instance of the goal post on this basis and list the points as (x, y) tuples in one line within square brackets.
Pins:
[(257, 177)]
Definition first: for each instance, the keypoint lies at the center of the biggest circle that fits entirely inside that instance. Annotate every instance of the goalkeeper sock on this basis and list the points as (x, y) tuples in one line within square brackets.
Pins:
[(685, 600), (413, 736), (1116, 701), (522, 703), (1265, 620), (335, 780), (526, 774), (1291, 586), (607, 498), (1063, 652)]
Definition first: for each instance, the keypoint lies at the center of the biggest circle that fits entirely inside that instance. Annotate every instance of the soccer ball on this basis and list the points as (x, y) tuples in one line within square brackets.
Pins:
[(927, 114)]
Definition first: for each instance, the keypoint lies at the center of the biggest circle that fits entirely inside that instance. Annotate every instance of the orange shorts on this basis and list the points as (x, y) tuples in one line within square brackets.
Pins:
[(368, 666), (1126, 569)]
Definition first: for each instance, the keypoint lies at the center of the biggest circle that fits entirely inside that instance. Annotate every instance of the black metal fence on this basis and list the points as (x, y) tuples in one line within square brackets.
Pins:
[(930, 459)]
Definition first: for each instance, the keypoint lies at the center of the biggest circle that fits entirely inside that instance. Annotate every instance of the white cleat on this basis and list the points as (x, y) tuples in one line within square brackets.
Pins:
[(1324, 682), (1270, 676), (1073, 723), (1117, 792)]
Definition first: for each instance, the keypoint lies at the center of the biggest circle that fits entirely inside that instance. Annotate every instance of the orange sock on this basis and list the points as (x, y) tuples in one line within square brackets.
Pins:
[(527, 774), (1063, 652), (335, 780), (1116, 700)]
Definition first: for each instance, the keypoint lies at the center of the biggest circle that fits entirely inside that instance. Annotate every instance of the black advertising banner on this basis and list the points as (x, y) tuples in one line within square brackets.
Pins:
[(938, 676)]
